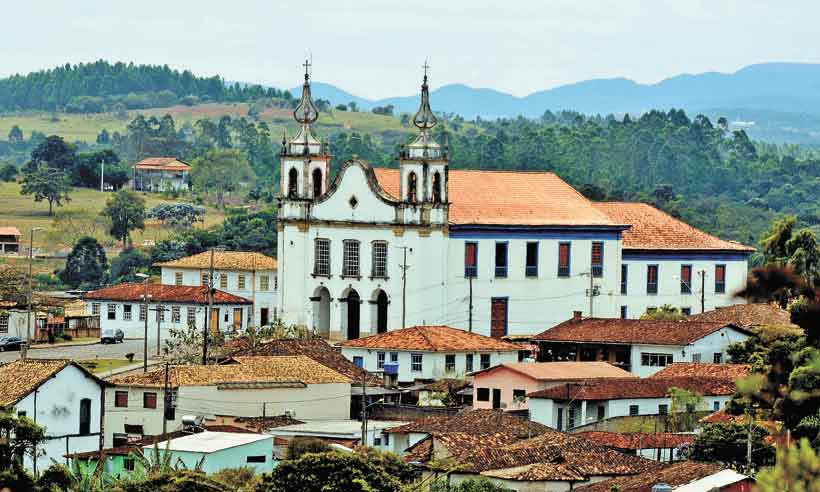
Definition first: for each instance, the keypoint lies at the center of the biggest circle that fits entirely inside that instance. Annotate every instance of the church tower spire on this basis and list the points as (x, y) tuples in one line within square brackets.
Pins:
[(425, 120)]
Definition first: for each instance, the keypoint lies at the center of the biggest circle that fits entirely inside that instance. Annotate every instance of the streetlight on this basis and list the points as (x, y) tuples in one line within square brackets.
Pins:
[(145, 298), (24, 351)]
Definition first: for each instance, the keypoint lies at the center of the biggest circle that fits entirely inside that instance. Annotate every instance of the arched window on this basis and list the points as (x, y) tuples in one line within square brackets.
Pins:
[(437, 187), (317, 182), (293, 179), (411, 187)]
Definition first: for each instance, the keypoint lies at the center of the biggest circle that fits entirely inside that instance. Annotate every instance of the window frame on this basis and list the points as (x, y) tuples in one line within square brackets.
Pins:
[(564, 271), (223, 281), (652, 288), (468, 363), (178, 278), (656, 359), (264, 282), (378, 260), (118, 403), (720, 285), (501, 270), (481, 391), (416, 366), (321, 257), (351, 259), (663, 409), (204, 279), (471, 271), (381, 357), (624, 312), (147, 397), (143, 311), (519, 392), (190, 315), (4, 322), (176, 314), (449, 363), (241, 283), (531, 270), (634, 410), (686, 283), (624, 279), (111, 311), (96, 308), (127, 312), (717, 357), (394, 357), (596, 269), (481, 364)]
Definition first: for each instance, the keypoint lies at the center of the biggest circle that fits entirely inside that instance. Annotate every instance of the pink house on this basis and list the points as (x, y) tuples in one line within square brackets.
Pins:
[(506, 385)]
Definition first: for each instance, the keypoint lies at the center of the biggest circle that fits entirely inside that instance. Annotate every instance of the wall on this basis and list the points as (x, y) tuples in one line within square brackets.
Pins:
[(707, 347), (17, 323), (227, 458), (58, 411), (507, 380)]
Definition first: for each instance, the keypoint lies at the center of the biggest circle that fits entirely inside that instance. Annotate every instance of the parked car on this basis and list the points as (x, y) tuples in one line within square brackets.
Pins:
[(112, 336), (11, 343)]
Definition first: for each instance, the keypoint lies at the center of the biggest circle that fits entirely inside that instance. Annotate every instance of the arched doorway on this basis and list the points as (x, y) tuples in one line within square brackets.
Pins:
[(321, 312), (353, 314), (381, 312)]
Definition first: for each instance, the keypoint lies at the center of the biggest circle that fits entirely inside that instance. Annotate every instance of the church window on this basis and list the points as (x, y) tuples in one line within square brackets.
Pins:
[(350, 260), (563, 259), (317, 182), (597, 266), (532, 259), (321, 257), (379, 259), (411, 188), (293, 179), (470, 259), (437, 187)]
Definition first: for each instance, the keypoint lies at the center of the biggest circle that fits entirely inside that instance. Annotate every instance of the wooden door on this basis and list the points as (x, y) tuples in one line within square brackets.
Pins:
[(496, 398), (237, 319), (498, 317), (213, 326)]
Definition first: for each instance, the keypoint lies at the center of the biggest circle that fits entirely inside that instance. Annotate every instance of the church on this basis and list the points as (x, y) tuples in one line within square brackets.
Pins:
[(498, 253)]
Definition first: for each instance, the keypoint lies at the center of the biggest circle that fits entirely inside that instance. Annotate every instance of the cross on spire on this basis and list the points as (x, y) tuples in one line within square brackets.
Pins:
[(425, 67), (307, 66)]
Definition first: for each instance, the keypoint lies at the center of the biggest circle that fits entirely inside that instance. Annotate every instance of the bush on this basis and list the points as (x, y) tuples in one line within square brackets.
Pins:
[(299, 446), (8, 173)]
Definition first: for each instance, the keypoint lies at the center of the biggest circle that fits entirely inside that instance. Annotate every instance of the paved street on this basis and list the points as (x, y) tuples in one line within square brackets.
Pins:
[(108, 351)]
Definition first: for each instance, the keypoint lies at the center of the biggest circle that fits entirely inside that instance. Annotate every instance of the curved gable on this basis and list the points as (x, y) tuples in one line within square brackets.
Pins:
[(356, 179)]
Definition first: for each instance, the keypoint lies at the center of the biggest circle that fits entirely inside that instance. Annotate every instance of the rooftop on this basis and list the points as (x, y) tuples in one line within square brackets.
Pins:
[(621, 389), (224, 260), (747, 315), (245, 370), (209, 442), (334, 428), (9, 231), (510, 198), (698, 369), (21, 377), (432, 339), (637, 440), (163, 164), (631, 331), (562, 371), (183, 294), (479, 422), (675, 475), (652, 229)]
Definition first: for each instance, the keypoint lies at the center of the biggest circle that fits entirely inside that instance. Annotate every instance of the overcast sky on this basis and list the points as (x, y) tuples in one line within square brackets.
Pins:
[(375, 48)]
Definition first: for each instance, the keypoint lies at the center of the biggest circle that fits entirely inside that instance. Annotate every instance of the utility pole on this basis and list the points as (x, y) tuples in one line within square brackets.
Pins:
[(208, 313), (24, 350), (702, 290), (404, 268), (102, 175), (470, 307), (592, 292), (364, 409), (749, 443), (166, 403), (145, 339)]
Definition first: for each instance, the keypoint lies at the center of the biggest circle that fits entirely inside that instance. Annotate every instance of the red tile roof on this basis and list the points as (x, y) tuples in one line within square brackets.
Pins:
[(561, 371), (163, 164), (621, 389), (9, 231), (631, 331), (182, 294), (478, 422), (483, 197), (747, 315), (675, 475), (637, 440), (729, 372), (652, 229), (432, 339)]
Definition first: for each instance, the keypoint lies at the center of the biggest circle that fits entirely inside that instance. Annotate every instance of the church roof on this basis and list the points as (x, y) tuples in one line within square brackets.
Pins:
[(510, 198)]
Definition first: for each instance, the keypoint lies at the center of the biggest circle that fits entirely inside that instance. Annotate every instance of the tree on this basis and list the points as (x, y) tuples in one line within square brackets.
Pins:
[(46, 183), (8, 172), (15, 135), (103, 138), (55, 152), (85, 265), (726, 443), (221, 171), (797, 470), (665, 312), (12, 285), (184, 345), (182, 215), (127, 213), (125, 266), (299, 446), (88, 166), (341, 107), (471, 485)]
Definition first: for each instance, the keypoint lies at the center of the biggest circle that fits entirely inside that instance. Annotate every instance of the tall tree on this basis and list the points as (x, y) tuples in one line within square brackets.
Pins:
[(55, 152), (15, 135), (221, 171), (86, 264), (797, 470), (46, 183), (127, 213)]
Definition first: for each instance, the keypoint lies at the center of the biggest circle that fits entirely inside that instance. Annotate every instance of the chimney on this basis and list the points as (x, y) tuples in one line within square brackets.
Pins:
[(577, 315)]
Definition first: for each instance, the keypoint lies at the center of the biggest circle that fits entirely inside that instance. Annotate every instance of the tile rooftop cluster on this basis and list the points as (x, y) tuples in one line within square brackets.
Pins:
[(702, 369), (747, 315), (674, 475), (9, 231), (183, 294), (631, 331), (225, 260), (562, 371), (619, 389), (479, 422), (432, 339), (637, 440)]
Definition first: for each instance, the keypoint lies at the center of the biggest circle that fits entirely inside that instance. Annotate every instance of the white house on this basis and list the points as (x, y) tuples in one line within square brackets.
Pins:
[(159, 174), (345, 432), (428, 352), (642, 347), (216, 451), (492, 252), (13, 320), (245, 274), (249, 387), (60, 396), (123, 307)]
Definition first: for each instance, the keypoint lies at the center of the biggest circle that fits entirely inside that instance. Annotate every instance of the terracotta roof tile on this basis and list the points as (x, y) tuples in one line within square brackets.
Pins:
[(9, 231), (432, 339), (562, 371), (282, 369), (730, 372), (163, 163), (632, 331), (479, 422), (653, 229), (483, 197), (637, 440), (224, 260), (723, 417), (163, 293), (21, 377), (620, 389), (747, 315), (674, 475)]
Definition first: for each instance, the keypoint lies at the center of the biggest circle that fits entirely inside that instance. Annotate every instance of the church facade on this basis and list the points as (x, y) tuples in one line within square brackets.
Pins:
[(494, 252)]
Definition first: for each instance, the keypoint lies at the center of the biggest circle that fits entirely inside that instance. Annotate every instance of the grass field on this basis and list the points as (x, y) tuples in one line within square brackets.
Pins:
[(99, 366)]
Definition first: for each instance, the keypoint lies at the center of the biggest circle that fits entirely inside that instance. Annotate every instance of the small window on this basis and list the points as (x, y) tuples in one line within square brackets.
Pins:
[(634, 410), (386, 439), (560, 419), (624, 312), (450, 363), (379, 266), (204, 279), (716, 406), (223, 281), (240, 282), (597, 266), (121, 399), (519, 395), (412, 195), (126, 312), (470, 259), (656, 360), (394, 357), (4, 322), (358, 361), (624, 279), (652, 279), (686, 279), (720, 279), (531, 268), (377, 441), (177, 278), (350, 260), (416, 361), (149, 400), (696, 358), (321, 257), (663, 409), (570, 418), (261, 458), (175, 314), (485, 361), (191, 315), (563, 259), (690, 407), (501, 260), (317, 182), (380, 360), (468, 363), (718, 358), (686, 311), (143, 312), (293, 183), (128, 464), (601, 412), (112, 311), (264, 282), (95, 308), (161, 312), (482, 394), (119, 439), (85, 417)]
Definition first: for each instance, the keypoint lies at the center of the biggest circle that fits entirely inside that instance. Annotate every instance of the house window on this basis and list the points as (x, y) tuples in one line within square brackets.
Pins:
[(470, 259), (686, 311), (223, 281), (321, 257), (175, 314), (358, 361), (482, 394), (350, 261), (411, 187), (485, 361), (4, 322), (563, 259), (380, 360), (379, 267), (601, 412), (663, 409), (394, 357), (656, 360), (204, 279), (560, 419), (119, 439), (501, 259), (634, 410), (121, 399), (112, 311), (416, 362), (143, 312), (720, 279), (161, 313), (85, 417), (149, 400), (624, 312), (240, 282), (696, 357), (652, 279), (317, 182), (597, 266), (570, 418), (531, 268), (126, 312), (95, 309), (690, 407), (519, 395), (191, 315), (293, 183), (437, 187), (450, 363), (264, 282), (686, 279), (624, 278), (718, 358), (129, 464), (177, 278), (716, 406), (468, 363)]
